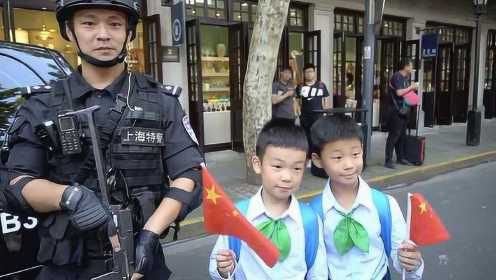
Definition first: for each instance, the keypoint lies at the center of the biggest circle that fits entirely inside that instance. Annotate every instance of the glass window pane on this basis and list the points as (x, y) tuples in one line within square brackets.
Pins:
[(236, 16), (22, 77), (41, 28)]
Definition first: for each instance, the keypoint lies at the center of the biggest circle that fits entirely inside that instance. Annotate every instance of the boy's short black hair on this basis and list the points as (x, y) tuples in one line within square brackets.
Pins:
[(405, 62), (332, 128), (281, 133), (308, 66)]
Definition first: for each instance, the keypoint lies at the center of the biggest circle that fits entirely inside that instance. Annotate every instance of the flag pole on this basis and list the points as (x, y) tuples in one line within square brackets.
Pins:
[(408, 222)]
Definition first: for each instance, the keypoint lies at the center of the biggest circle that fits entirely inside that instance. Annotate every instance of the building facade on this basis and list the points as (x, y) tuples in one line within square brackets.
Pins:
[(329, 33)]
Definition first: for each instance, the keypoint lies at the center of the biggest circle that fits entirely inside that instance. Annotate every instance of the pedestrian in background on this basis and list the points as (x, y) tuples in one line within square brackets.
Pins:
[(312, 95), (399, 85), (283, 92)]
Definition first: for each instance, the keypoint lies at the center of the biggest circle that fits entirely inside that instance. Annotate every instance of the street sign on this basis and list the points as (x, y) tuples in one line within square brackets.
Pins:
[(430, 44), (177, 23)]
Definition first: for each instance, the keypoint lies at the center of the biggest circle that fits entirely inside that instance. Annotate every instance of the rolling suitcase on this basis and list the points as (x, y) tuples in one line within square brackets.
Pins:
[(414, 146)]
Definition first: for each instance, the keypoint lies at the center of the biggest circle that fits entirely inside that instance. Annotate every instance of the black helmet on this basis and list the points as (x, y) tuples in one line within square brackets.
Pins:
[(66, 8)]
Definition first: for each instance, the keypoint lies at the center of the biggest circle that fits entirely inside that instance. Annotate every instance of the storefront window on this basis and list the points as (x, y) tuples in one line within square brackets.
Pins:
[(392, 28), (296, 59), (296, 16), (360, 25), (244, 11), (462, 37), (136, 55), (195, 8), (216, 87), (206, 8), (41, 28), (348, 23)]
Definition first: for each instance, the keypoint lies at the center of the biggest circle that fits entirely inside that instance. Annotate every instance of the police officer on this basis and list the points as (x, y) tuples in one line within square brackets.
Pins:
[(151, 153)]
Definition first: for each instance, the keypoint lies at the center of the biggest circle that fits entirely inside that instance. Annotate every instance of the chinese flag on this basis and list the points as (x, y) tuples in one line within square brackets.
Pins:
[(426, 228), (222, 217)]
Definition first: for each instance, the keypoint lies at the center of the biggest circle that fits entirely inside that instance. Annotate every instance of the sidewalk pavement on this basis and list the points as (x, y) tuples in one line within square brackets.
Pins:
[(445, 151)]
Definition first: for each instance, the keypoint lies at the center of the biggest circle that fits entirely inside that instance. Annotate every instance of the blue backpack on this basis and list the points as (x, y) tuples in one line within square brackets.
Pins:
[(310, 225), (381, 202)]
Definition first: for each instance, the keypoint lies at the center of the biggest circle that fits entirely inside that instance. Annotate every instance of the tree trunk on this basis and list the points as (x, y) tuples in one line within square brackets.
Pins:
[(262, 63)]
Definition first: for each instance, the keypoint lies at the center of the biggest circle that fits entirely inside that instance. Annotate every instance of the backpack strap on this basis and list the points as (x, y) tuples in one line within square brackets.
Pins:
[(381, 202), (311, 228), (234, 242), (316, 205)]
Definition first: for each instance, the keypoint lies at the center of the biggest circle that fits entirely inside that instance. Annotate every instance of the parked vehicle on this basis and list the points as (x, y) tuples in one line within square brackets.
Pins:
[(24, 70)]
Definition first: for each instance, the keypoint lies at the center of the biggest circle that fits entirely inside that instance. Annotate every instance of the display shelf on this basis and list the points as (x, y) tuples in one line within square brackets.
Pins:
[(214, 59), (216, 89), (215, 74)]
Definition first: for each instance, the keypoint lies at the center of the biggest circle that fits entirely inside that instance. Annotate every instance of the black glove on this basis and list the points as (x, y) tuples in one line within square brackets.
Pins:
[(86, 212), (147, 245)]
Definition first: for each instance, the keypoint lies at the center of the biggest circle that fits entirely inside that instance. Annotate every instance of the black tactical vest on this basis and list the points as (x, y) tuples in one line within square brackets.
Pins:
[(132, 140)]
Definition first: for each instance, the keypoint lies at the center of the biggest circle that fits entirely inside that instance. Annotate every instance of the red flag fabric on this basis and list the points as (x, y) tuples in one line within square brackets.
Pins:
[(426, 228), (222, 217)]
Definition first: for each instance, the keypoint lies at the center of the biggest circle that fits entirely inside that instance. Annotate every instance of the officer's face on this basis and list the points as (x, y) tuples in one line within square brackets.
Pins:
[(281, 170), (101, 33)]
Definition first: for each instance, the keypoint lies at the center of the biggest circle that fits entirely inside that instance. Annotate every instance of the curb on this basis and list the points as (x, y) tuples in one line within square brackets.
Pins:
[(194, 226)]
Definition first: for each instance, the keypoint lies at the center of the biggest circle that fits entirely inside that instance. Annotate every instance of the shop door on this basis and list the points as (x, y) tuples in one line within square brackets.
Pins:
[(410, 50), (390, 55), (238, 57), (461, 85), (195, 93), (312, 49), (429, 93), (283, 56), (153, 65), (490, 85), (339, 70), (444, 100)]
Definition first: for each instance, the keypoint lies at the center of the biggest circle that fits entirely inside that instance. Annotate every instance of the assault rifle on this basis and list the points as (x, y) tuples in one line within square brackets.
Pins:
[(124, 257)]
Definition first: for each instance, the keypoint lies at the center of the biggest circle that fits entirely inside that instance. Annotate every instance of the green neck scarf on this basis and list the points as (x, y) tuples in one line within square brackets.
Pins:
[(349, 233), (277, 232)]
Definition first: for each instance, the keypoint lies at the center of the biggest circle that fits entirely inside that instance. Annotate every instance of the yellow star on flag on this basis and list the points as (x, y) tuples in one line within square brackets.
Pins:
[(423, 207), (212, 195)]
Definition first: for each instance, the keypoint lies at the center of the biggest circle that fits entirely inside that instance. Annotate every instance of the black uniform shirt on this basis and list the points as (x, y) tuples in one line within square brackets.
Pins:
[(397, 82), (28, 155)]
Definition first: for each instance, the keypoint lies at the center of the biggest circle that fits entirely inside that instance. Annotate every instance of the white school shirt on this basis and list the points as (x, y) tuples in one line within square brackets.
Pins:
[(355, 264), (251, 266)]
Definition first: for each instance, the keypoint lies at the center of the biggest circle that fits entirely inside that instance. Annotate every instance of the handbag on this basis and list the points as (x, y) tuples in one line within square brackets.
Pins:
[(404, 109)]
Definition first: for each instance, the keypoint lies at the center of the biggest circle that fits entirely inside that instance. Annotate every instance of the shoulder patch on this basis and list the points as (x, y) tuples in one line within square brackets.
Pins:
[(189, 129), (171, 90)]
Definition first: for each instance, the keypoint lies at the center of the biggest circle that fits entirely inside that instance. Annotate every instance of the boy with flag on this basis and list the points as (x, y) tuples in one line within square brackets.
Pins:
[(363, 227), (292, 227)]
